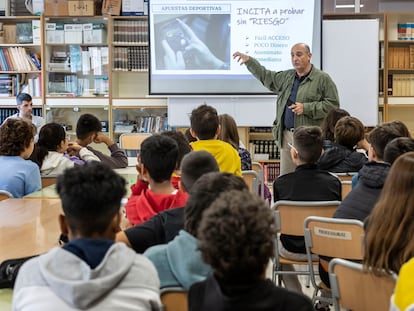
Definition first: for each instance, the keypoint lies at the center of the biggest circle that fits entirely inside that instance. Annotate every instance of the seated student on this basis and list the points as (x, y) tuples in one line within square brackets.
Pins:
[(205, 127), (306, 183), (360, 201), (328, 126), (183, 148), (342, 156), (91, 271), (88, 130), (164, 227), (390, 226), (403, 298), (179, 262), (49, 152), (17, 175), (236, 238), (229, 134), (154, 191), (397, 147)]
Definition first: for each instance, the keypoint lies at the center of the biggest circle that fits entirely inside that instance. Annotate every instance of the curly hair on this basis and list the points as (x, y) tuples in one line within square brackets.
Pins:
[(15, 136), (236, 236)]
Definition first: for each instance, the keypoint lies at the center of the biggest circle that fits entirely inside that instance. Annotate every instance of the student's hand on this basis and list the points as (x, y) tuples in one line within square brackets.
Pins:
[(240, 57), (203, 57), (73, 147), (172, 60), (102, 138)]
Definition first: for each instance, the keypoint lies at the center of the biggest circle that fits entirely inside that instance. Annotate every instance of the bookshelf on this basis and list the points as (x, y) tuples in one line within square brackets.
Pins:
[(400, 68), (20, 62)]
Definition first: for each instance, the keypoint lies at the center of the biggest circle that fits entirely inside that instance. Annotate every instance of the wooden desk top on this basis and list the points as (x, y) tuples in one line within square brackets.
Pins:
[(28, 227)]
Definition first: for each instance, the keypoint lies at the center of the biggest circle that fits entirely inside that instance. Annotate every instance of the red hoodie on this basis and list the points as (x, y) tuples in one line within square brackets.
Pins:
[(143, 203)]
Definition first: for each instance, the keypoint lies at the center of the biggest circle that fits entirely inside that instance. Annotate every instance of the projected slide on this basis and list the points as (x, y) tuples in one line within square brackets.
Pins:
[(192, 42)]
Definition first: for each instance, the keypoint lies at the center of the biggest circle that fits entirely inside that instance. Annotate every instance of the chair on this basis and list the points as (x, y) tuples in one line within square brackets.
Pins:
[(332, 237), (345, 176), (131, 142), (346, 187), (174, 299), (289, 219), (4, 194), (257, 167), (251, 178), (359, 289)]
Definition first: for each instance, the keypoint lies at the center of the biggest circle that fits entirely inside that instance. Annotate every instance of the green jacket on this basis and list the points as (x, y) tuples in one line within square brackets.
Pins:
[(317, 92)]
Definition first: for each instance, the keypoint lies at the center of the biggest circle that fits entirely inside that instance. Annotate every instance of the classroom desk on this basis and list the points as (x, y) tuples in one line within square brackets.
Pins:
[(49, 192), (28, 227)]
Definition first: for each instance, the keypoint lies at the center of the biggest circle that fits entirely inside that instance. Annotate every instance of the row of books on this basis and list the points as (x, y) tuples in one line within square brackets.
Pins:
[(147, 124), (260, 129), (17, 59), (131, 31), (405, 31), (401, 84), (270, 171), (267, 147), (7, 112), (401, 57), (131, 58), (13, 84)]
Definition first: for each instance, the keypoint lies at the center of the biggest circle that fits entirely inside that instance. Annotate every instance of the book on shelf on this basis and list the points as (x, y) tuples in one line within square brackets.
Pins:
[(24, 33)]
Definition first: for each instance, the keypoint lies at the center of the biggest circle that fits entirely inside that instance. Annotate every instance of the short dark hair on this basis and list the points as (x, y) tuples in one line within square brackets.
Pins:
[(400, 127), (204, 122), (159, 156), (204, 191), (50, 137), (349, 131), (91, 197), (308, 142), (23, 97), (397, 147), (380, 136), (236, 236), (87, 125), (182, 143), (15, 136), (188, 136), (194, 165)]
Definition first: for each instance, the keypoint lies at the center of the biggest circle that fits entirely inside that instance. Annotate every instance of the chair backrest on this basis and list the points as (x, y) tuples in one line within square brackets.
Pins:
[(290, 215), (346, 187), (48, 180), (251, 178), (334, 237), (174, 299), (257, 167), (356, 288), (4, 194), (132, 142), (345, 176)]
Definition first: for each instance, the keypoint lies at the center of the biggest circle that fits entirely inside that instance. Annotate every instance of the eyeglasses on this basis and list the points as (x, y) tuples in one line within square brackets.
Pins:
[(293, 147)]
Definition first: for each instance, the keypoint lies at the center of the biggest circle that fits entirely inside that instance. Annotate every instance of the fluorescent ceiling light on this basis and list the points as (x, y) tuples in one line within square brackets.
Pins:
[(347, 6)]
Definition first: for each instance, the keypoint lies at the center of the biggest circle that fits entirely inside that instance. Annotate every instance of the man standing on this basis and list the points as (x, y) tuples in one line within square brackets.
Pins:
[(305, 95), (25, 106)]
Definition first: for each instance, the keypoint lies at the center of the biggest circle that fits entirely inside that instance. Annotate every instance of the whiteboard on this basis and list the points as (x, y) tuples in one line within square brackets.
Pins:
[(246, 110), (350, 55)]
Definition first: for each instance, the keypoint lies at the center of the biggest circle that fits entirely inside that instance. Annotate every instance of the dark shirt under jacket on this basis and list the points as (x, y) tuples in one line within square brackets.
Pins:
[(261, 295), (159, 229), (306, 183)]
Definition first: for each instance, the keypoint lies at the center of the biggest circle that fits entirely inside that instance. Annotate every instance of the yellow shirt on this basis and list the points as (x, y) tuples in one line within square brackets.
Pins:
[(226, 156), (403, 298)]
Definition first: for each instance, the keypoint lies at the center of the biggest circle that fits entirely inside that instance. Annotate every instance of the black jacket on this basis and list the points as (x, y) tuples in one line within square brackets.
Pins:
[(361, 200), (339, 159), (262, 295)]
